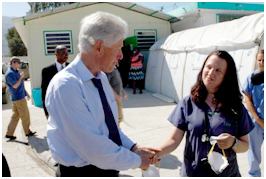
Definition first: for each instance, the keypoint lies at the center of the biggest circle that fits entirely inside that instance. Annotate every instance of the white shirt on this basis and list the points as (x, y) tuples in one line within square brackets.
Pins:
[(59, 65), (76, 130)]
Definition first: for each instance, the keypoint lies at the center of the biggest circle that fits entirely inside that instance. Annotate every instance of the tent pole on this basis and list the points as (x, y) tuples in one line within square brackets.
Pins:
[(183, 75)]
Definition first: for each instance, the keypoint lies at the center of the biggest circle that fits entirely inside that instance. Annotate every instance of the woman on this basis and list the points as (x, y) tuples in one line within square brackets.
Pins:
[(254, 98), (214, 108), (136, 71)]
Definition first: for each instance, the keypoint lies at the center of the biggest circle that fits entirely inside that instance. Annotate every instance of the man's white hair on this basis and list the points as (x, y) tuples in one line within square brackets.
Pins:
[(101, 26)]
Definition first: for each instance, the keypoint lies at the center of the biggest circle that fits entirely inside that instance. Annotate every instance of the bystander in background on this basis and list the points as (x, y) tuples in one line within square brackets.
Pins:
[(15, 83), (253, 90), (124, 64), (136, 73), (117, 85), (49, 71)]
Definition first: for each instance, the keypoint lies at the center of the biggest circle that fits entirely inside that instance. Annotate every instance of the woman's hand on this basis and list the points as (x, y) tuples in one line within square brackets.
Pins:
[(226, 143), (155, 159)]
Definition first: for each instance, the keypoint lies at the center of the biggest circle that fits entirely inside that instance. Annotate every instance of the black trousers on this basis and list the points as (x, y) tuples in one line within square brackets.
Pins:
[(5, 168), (86, 171)]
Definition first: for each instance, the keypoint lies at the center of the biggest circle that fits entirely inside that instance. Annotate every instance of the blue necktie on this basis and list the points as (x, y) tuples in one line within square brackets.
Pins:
[(109, 118)]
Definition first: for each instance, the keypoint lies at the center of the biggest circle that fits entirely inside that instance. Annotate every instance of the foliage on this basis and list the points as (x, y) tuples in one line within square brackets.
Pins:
[(15, 44), (42, 6)]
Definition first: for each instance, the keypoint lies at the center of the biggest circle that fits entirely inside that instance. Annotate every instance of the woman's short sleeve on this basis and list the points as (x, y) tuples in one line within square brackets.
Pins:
[(245, 125), (177, 117)]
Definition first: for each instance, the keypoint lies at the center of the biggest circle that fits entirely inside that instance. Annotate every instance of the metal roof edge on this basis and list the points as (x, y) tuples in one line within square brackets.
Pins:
[(231, 6), (217, 5), (159, 15)]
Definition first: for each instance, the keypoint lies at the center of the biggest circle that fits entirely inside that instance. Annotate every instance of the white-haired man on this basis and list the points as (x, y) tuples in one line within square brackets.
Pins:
[(82, 128)]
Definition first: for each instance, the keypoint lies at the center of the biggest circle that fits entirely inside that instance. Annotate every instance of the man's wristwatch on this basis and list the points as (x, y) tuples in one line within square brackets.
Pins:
[(134, 147), (235, 143)]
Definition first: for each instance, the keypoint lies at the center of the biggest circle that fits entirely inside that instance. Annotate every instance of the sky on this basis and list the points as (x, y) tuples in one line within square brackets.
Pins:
[(19, 9)]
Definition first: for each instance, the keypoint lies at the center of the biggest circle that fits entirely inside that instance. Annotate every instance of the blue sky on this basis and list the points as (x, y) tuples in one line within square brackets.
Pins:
[(15, 9), (19, 9)]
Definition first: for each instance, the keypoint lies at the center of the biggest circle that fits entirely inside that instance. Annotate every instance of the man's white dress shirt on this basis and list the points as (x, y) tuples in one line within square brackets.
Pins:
[(59, 66), (76, 130)]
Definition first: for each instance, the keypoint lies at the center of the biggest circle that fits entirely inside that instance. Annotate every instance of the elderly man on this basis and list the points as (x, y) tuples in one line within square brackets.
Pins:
[(48, 72), (82, 127), (15, 83)]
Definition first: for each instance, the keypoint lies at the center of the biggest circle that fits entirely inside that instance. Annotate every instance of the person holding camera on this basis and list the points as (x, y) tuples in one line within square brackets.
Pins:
[(18, 93), (214, 108)]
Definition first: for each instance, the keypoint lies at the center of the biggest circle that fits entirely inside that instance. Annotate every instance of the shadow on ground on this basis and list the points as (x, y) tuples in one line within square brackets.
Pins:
[(125, 175), (170, 162), (17, 141), (40, 145), (142, 100)]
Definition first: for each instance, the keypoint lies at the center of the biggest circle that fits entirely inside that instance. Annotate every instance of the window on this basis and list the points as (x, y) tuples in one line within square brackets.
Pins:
[(145, 38), (54, 38), (228, 17)]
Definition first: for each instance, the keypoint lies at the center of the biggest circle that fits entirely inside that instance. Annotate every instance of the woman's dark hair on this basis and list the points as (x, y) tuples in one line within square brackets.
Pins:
[(228, 96)]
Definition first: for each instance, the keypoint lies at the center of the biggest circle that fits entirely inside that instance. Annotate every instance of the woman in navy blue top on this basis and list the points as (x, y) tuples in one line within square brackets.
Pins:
[(216, 98)]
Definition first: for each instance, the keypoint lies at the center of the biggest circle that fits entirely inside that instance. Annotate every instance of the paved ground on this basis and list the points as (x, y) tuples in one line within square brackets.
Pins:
[(145, 122), (22, 160)]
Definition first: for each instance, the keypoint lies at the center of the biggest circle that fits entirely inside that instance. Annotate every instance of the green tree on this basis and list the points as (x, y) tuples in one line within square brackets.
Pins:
[(42, 6), (15, 44)]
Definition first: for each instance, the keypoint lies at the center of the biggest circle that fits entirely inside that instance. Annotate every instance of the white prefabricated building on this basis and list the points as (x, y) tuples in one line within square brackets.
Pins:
[(175, 60), (35, 29), (199, 14)]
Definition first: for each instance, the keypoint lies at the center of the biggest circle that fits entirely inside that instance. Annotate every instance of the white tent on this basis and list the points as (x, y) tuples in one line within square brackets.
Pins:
[(175, 61)]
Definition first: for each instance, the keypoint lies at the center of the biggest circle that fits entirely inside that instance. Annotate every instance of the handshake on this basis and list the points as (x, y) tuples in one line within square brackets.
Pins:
[(148, 156)]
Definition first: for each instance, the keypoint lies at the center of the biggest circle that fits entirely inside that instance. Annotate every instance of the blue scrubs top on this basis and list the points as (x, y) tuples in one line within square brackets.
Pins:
[(189, 117), (257, 94), (12, 76)]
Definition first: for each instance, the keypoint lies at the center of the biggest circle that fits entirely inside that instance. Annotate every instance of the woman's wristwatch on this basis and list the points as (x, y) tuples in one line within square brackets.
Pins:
[(235, 144)]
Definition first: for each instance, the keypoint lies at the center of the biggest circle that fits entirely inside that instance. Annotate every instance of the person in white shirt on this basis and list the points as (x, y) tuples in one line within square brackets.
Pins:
[(82, 136)]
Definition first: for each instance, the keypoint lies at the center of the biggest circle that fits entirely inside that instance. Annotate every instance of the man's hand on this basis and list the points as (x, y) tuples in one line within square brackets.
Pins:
[(15, 86), (117, 97), (145, 161), (21, 75), (146, 153), (124, 95), (28, 97)]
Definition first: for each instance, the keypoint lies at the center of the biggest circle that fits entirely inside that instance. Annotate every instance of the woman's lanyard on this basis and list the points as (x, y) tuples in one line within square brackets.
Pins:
[(205, 137), (206, 134)]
